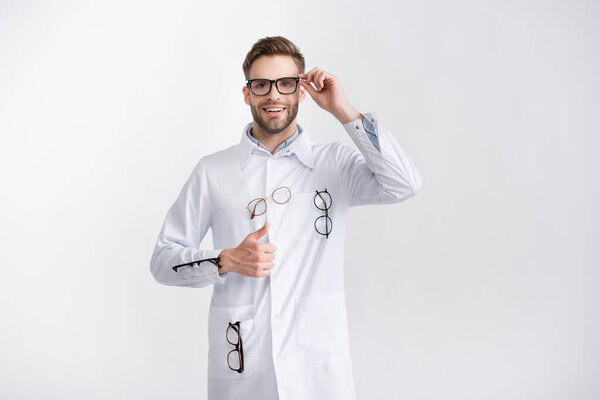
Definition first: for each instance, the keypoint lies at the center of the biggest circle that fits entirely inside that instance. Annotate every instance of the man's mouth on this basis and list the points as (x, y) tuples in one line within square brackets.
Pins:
[(273, 110)]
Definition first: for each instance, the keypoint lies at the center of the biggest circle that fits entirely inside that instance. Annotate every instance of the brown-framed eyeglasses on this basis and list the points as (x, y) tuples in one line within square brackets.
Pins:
[(258, 206)]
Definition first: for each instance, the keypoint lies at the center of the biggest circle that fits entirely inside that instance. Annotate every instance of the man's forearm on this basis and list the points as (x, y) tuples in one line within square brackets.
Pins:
[(347, 113)]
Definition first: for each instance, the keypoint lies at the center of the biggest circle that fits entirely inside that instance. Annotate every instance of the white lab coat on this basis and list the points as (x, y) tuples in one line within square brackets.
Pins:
[(293, 323)]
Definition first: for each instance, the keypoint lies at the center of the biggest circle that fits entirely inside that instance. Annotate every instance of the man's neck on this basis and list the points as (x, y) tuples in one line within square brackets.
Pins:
[(272, 140)]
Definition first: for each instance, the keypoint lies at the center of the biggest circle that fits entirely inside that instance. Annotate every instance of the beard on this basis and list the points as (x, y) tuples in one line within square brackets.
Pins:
[(274, 125)]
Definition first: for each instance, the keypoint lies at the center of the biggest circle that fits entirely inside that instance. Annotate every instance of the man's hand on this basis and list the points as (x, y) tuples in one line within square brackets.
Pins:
[(329, 95), (250, 258)]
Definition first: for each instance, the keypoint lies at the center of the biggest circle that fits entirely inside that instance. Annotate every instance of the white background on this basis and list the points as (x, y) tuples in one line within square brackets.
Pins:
[(483, 286)]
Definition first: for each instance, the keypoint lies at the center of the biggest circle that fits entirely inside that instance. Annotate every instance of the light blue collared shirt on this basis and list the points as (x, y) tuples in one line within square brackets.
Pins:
[(286, 143), (369, 129)]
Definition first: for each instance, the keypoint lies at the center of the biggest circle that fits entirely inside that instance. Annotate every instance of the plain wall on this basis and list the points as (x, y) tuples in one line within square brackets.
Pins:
[(483, 286)]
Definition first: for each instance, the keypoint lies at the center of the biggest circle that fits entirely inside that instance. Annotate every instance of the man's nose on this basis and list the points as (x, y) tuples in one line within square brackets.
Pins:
[(274, 94)]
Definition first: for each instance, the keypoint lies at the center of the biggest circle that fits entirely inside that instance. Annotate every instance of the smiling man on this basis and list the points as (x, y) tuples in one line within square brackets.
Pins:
[(277, 325), (274, 114)]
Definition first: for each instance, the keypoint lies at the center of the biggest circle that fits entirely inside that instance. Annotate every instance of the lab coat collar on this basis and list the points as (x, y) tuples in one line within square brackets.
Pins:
[(301, 146)]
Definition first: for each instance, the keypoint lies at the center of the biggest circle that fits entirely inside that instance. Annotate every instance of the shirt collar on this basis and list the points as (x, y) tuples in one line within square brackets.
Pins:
[(283, 145), (301, 146)]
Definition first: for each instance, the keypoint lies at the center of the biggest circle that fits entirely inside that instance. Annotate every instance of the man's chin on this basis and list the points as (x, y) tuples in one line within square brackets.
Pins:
[(273, 127), (274, 131)]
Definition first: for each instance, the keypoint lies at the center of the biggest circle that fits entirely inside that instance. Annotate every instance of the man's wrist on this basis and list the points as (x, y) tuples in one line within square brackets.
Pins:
[(347, 113), (225, 261)]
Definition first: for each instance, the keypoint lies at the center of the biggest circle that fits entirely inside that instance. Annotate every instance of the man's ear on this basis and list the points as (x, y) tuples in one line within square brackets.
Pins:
[(246, 94), (302, 93)]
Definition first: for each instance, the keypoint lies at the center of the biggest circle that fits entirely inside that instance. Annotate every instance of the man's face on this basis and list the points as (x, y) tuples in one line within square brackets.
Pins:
[(274, 67)]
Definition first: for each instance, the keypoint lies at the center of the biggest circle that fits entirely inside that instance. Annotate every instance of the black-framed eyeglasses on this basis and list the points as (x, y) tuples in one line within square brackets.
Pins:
[(193, 263), (323, 224), (235, 358), (262, 87), (258, 206)]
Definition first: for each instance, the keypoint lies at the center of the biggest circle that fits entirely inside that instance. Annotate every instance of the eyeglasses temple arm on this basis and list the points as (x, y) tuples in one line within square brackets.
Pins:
[(191, 264)]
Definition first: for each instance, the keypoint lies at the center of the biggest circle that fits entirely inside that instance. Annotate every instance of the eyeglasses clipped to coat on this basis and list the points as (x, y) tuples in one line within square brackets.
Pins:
[(283, 194)]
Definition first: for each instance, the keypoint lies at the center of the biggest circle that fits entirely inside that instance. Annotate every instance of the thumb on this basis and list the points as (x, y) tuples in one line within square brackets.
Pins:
[(260, 232), (311, 90)]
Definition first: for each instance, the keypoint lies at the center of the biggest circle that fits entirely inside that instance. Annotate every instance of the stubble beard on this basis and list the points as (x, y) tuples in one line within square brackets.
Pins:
[(270, 126)]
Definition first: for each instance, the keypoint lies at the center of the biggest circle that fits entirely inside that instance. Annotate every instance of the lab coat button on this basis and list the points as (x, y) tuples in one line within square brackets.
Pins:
[(275, 316)]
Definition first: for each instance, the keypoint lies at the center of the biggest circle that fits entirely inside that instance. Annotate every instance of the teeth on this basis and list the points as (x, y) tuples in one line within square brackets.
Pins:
[(274, 109)]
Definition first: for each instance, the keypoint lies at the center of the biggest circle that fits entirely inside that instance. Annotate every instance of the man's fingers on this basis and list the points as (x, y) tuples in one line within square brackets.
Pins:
[(311, 90), (320, 80), (317, 77), (268, 248), (262, 270), (310, 75), (268, 257), (263, 273), (267, 265)]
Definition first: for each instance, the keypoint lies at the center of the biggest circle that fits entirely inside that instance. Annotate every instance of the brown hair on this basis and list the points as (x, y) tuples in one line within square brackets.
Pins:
[(272, 45)]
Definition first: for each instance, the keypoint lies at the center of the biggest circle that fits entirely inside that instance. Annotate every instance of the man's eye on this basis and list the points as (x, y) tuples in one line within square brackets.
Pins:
[(259, 85)]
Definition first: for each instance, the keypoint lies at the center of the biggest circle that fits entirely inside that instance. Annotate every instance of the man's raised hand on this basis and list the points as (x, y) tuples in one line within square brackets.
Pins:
[(328, 94)]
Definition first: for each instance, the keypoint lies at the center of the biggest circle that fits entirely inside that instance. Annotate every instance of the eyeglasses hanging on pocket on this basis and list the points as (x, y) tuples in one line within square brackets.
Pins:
[(235, 358), (323, 224)]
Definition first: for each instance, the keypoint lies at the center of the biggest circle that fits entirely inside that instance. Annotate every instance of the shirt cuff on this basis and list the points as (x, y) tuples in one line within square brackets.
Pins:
[(206, 269), (368, 128), (371, 131)]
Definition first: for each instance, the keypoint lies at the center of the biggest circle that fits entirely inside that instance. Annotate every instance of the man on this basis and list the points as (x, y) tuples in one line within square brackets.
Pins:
[(277, 324)]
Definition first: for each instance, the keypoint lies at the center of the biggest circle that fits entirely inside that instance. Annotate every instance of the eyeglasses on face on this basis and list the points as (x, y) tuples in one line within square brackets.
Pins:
[(258, 206), (262, 87), (235, 358)]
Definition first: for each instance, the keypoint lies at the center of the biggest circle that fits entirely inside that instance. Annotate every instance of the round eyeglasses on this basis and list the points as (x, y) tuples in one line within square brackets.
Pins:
[(258, 206), (323, 224), (262, 87)]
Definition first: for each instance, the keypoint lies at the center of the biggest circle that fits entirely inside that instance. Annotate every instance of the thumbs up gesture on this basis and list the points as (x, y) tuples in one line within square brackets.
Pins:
[(250, 258)]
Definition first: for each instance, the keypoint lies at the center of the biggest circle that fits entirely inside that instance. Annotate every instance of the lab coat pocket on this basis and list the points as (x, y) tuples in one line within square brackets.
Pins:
[(303, 214), (218, 346), (322, 328)]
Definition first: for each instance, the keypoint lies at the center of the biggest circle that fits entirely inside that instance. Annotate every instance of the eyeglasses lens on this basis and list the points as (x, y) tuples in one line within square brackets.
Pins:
[(281, 195), (232, 335), (260, 86), (233, 358), (323, 225), (286, 86), (259, 206), (323, 201)]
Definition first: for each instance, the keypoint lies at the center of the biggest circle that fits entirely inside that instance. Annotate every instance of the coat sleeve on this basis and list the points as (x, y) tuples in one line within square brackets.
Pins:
[(184, 227), (376, 176)]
